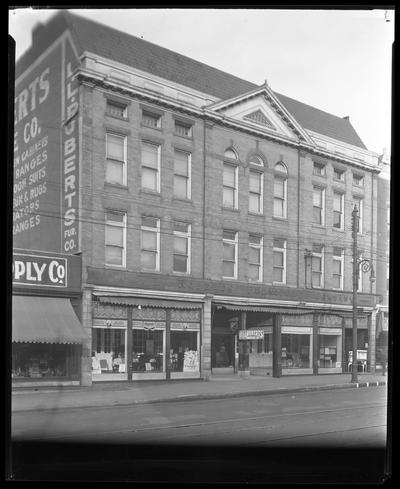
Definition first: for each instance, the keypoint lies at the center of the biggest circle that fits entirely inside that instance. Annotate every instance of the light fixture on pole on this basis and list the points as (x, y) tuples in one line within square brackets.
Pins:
[(366, 266)]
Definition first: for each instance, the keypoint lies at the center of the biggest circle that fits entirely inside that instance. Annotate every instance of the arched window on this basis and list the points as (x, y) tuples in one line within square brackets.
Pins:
[(231, 153), (256, 160), (280, 190)]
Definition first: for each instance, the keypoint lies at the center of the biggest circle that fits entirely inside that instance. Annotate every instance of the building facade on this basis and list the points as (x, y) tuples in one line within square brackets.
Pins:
[(212, 216)]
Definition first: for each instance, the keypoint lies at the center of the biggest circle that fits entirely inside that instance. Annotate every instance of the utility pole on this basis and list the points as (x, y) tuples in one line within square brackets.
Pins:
[(354, 215)]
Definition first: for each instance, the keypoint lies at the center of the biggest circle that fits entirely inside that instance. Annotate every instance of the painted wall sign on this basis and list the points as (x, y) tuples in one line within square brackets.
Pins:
[(251, 334), (39, 270), (45, 187)]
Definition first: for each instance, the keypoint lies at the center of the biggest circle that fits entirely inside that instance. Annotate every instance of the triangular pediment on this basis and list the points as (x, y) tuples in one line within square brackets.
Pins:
[(262, 110)]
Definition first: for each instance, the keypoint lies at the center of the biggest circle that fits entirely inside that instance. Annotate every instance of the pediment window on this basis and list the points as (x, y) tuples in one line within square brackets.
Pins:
[(258, 117)]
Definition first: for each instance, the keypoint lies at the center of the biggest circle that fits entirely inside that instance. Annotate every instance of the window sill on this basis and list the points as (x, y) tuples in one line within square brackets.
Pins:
[(159, 129), (187, 138), (279, 284), (179, 200), (114, 267), (115, 185), (230, 209), (282, 219), (125, 119), (150, 192), (260, 214), (181, 274), (318, 226), (338, 230), (229, 278)]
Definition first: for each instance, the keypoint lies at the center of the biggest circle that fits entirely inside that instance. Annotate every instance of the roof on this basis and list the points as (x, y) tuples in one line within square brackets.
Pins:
[(159, 61)]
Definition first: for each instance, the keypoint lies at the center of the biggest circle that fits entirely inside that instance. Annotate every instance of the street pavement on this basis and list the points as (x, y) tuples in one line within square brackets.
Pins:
[(103, 394)]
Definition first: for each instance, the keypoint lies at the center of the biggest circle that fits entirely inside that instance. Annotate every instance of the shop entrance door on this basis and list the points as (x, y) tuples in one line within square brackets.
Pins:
[(223, 353)]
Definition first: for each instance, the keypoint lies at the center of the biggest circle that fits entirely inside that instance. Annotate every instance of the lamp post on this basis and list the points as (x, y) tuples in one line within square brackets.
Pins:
[(366, 266)]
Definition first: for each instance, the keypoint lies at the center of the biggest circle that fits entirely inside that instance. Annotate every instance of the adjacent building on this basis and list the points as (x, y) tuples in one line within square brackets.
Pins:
[(212, 217)]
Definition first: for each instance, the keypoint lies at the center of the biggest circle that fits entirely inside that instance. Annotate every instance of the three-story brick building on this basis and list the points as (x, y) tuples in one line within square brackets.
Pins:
[(213, 216)]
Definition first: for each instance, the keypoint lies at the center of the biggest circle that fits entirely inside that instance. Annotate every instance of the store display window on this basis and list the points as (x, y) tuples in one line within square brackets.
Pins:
[(147, 350), (296, 351), (44, 361), (330, 350), (108, 351), (184, 355)]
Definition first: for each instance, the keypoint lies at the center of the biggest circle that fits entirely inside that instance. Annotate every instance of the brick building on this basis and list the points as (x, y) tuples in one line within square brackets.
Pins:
[(212, 216)]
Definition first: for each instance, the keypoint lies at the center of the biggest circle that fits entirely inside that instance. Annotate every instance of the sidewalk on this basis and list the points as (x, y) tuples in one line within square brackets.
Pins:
[(144, 392)]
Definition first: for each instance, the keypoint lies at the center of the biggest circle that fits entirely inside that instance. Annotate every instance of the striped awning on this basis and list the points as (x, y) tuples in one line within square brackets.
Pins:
[(261, 308), (143, 302), (45, 320)]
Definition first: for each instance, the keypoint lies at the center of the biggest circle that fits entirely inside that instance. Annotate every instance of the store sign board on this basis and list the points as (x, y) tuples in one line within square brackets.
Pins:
[(331, 331), (296, 330), (45, 187), (186, 326), (251, 334), (39, 270), (149, 325), (110, 323)]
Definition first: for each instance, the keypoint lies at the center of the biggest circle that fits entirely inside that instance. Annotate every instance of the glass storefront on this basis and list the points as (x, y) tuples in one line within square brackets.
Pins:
[(261, 353), (45, 361), (147, 350), (184, 354), (109, 354), (296, 349), (330, 350)]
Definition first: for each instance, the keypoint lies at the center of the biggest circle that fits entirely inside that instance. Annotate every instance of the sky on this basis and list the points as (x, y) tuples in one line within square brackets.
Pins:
[(339, 61)]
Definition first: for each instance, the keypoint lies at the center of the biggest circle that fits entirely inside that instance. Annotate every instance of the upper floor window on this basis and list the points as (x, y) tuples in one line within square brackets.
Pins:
[(116, 158), (116, 109), (150, 243), (317, 266), (183, 129), (318, 205), (338, 267), (358, 180), (151, 119), (230, 253), (359, 203), (280, 190), (319, 169), (115, 238), (279, 272), (256, 183), (338, 174), (338, 206), (360, 275), (230, 186), (255, 257), (181, 261), (151, 166), (182, 174)]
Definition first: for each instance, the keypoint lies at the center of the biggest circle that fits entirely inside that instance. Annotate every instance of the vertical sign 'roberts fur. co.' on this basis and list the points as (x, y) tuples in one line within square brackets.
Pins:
[(46, 170)]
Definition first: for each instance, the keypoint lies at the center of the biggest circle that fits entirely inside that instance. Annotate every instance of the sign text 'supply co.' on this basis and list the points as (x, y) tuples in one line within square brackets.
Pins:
[(45, 187), (39, 270)]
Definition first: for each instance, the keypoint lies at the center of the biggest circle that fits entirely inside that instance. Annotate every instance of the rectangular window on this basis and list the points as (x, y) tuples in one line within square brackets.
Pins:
[(151, 120), (182, 174), (360, 275), (318, 169), (181, 247), (338, 174), (116, 109), (150, 243), (182, 129), (256, 180), (318, 205), (115, 238), (280, 200), (337, 265), (255, 258), (338, 205), (358, 180), (279, 272), (230, 185), (360, 206), (151, 166), (230, 252), (116, 158), (317, 266)]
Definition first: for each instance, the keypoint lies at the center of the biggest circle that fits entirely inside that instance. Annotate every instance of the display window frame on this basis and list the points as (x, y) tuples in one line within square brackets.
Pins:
[(298, 330), (158, 326), (99, 374), (176, 327), (325, 352)]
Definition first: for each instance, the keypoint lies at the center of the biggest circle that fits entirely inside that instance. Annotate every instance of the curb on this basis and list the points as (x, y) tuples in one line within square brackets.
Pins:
[(218, 395)]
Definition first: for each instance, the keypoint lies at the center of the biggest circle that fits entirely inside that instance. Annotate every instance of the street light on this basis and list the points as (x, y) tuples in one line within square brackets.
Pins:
[(366, 266)]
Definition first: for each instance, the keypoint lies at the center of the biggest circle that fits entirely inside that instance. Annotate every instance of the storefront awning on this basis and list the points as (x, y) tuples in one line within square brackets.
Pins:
[(45, 320), (133, 301), (260, 308)]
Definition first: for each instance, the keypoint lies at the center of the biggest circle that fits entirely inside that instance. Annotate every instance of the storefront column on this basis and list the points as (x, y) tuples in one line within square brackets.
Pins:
[(244, 369), (315, 340), (167, 343), (372, 341), (277, 345), (344, 353), (205, 360), (86, 357), (129, 343)]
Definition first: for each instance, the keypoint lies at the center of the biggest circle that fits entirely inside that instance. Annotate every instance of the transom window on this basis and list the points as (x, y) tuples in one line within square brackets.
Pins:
[(150, 243), (230, 252), (230, 153), (181, 262), (255, 257), (256, 160), (151, 166), (116, 158), (279, 272), (115, 238)]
